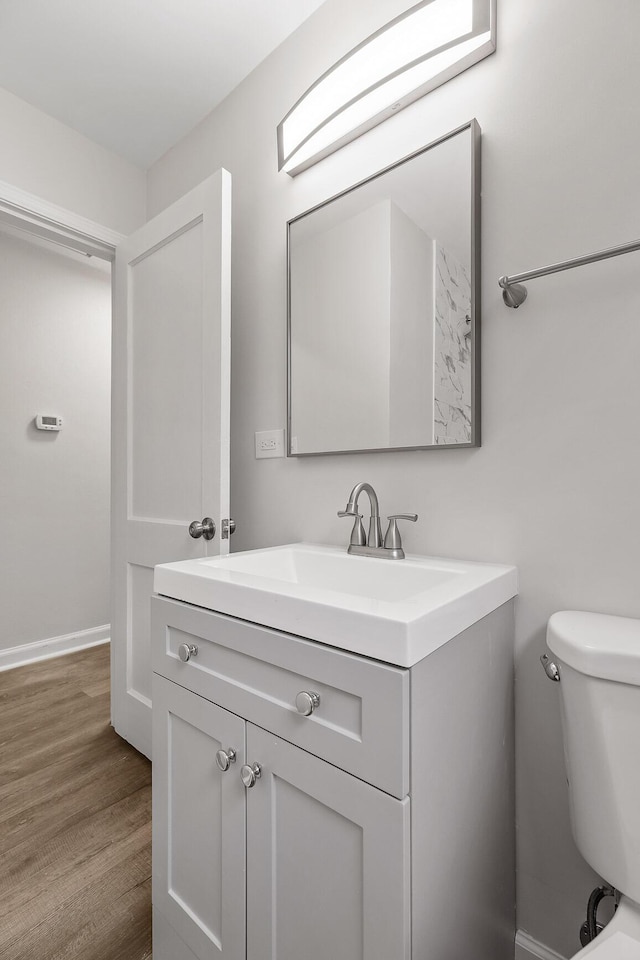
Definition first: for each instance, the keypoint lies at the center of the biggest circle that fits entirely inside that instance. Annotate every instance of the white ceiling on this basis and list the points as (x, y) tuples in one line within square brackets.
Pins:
[(137, 75)]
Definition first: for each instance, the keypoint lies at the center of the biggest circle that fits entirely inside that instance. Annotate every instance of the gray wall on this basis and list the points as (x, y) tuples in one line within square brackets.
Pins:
[(50, 160), (554, 488), (55, 328)]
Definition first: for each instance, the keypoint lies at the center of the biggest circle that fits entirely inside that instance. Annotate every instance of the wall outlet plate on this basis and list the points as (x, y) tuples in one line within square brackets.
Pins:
[(269, 443)]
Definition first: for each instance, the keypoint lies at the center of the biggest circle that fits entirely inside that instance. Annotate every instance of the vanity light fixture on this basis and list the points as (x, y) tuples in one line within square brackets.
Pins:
[(421, 49)]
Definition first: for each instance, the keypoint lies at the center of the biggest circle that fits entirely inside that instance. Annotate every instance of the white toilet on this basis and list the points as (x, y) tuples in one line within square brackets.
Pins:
[(598, 664)]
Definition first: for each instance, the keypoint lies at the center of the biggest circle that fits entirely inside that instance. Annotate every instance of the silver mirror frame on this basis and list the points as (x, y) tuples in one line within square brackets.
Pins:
[(475, 165)]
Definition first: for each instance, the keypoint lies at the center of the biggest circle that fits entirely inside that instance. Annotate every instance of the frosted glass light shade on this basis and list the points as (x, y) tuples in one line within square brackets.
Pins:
[(419, 50)]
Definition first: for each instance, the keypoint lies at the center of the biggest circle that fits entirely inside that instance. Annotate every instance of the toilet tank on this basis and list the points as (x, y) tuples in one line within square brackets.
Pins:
[(598, 658)]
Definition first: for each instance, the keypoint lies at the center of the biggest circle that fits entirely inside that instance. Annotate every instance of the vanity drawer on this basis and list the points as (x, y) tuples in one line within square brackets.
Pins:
[(361, 723)]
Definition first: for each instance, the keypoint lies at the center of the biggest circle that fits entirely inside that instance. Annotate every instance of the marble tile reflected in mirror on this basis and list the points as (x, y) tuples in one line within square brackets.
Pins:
[(383, 308)]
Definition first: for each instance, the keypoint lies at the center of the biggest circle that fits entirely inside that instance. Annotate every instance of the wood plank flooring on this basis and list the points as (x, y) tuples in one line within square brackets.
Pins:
[(75, 818)]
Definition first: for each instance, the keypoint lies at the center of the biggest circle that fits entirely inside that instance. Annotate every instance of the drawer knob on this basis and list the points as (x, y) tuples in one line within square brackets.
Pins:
[(224, 758), (307, 702), (249, 773), (186, 651)]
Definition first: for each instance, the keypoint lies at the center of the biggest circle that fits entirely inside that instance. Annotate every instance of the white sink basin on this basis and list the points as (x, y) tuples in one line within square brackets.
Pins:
[(397, 611)]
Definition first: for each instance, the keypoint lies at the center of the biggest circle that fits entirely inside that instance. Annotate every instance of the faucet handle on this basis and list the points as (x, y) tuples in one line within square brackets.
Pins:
[(392, 538), (358, 537)]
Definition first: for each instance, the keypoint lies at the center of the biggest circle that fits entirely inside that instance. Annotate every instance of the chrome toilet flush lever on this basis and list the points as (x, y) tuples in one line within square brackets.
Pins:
[(550, 668), (373, 545)]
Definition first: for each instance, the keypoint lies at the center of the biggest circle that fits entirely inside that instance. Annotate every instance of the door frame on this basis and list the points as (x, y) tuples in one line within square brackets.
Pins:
[(36, 216), (33, 215)]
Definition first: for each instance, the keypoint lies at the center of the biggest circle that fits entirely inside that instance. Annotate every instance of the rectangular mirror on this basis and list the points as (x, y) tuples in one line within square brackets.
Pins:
[(383, 308)]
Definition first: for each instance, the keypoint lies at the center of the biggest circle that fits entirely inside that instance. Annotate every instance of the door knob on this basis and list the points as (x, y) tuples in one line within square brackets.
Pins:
[(186, 651), (224, 758), (206, 529), (307, 702), (249, 773)]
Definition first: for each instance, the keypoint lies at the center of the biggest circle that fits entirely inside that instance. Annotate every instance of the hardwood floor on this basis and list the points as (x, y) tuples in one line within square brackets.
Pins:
[(75, 818)]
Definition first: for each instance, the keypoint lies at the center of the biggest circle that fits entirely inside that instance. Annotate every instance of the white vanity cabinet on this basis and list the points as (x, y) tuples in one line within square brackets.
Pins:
[(378, 827)]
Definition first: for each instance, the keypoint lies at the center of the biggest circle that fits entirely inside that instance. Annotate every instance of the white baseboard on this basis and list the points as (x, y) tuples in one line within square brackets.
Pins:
[(53, 647), (529, 949)]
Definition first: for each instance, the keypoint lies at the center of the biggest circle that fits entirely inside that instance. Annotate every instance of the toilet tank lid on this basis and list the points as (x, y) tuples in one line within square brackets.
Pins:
[(597, 644)]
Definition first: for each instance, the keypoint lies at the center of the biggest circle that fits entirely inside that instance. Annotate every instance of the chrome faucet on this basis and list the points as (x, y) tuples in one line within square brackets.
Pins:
[(358, 538), (373, 545)]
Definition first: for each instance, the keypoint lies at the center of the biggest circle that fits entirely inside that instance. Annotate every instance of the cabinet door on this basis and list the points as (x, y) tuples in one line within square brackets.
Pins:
[(327, 861), (198, 823)]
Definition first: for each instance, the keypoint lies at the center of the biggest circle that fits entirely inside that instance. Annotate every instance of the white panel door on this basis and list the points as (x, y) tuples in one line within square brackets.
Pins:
[(170, 419), (327, 861), (198, 823)]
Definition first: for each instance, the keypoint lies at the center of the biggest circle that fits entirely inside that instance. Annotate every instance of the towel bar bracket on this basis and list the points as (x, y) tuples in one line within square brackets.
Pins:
[(514, 293)]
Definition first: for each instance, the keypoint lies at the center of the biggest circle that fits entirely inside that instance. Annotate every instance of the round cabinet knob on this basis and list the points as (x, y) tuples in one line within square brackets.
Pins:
[(206, 529), (307, 702), (249, 773), (186, 651), (224, 758)]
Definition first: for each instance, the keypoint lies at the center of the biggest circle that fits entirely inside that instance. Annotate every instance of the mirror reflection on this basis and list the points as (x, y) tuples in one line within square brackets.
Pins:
[(383, 308)]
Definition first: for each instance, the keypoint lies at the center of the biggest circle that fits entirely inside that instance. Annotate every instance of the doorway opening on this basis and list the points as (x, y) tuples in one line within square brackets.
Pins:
[(55, 372)]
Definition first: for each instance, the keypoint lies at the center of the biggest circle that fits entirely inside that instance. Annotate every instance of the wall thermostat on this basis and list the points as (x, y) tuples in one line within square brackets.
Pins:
[(44, 422)]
